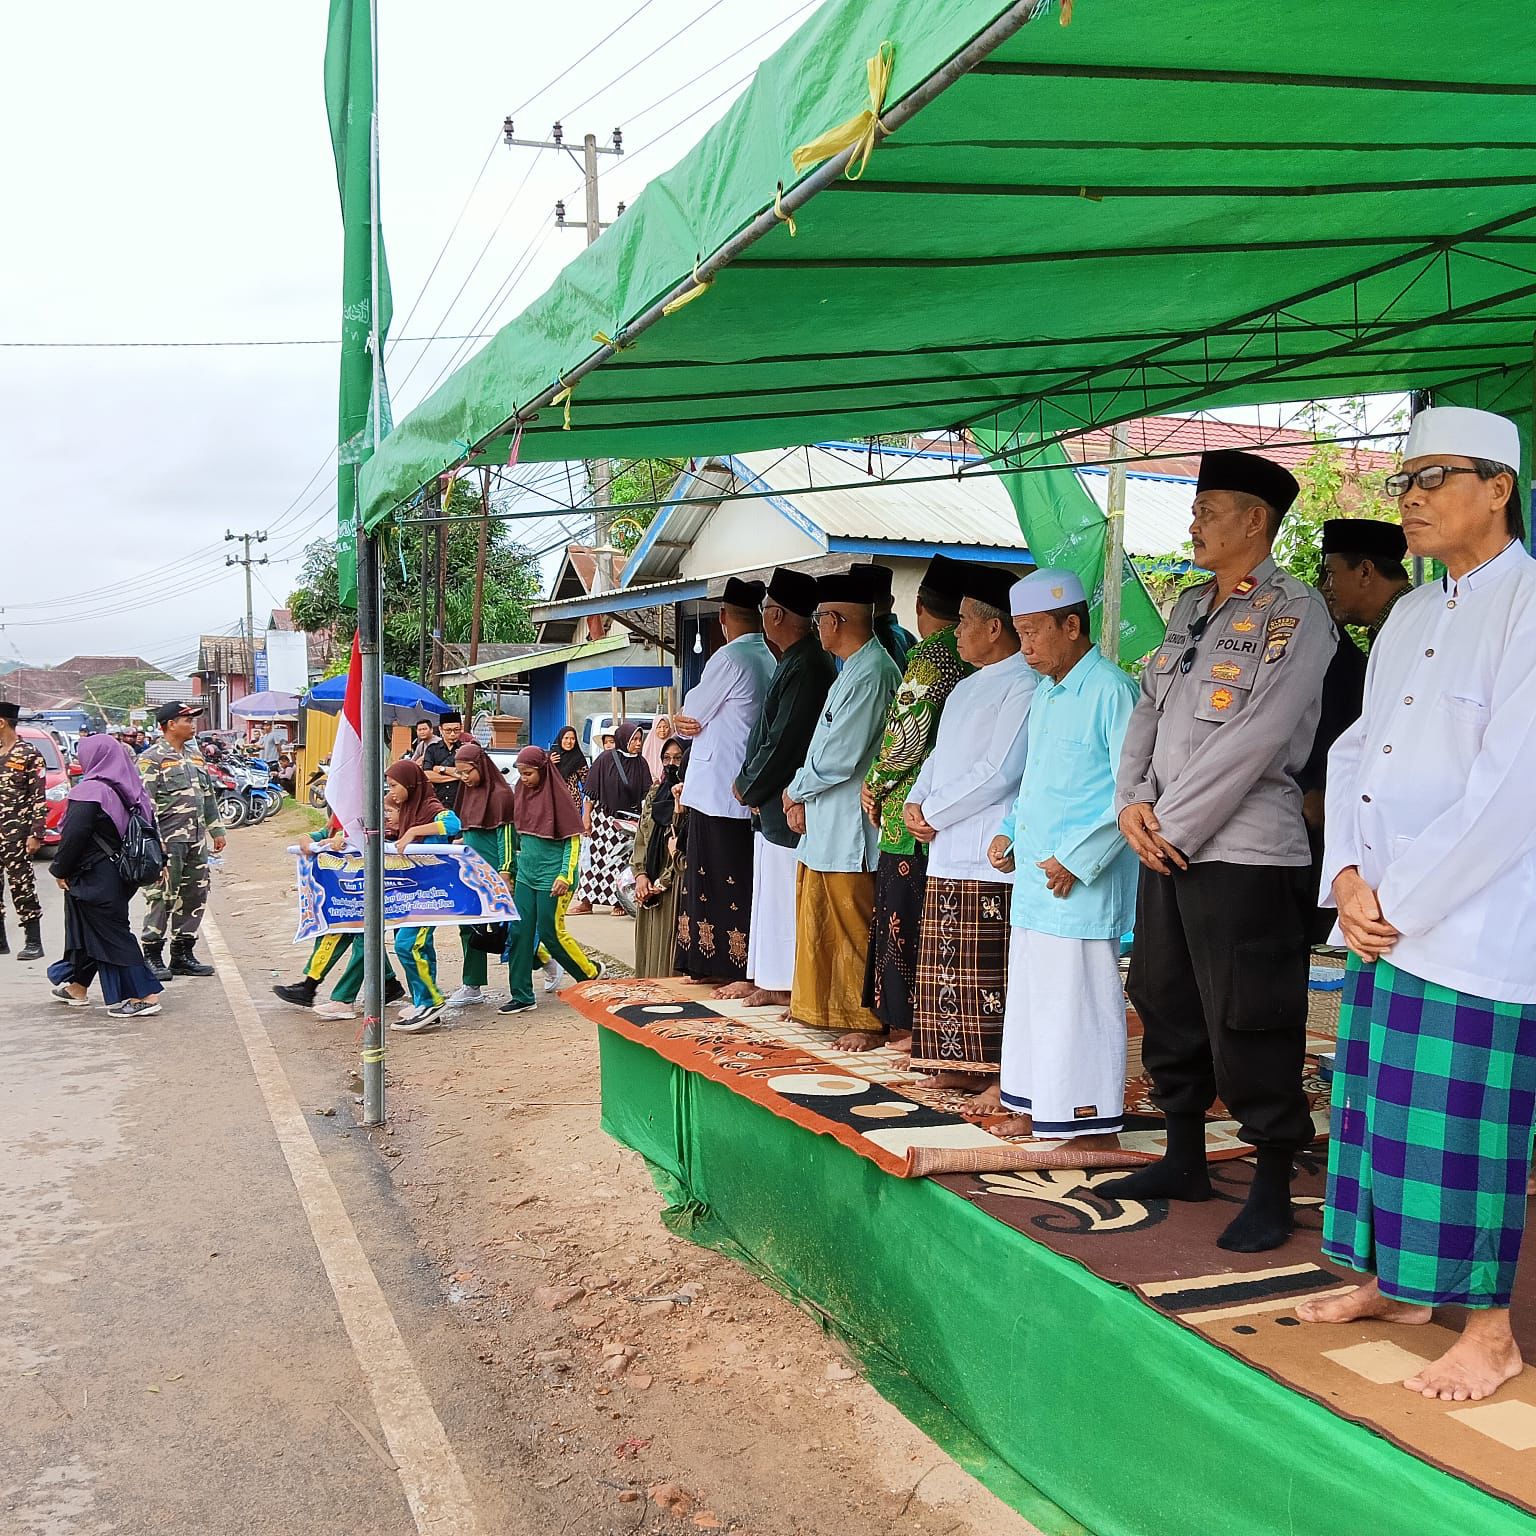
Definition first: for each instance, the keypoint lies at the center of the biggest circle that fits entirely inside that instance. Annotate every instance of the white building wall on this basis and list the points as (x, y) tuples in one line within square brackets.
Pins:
[(742, 535)]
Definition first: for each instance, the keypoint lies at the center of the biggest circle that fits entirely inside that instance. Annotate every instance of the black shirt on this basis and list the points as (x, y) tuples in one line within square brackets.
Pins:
[(440, 755)]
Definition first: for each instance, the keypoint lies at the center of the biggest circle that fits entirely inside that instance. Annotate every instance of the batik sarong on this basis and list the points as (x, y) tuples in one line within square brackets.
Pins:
[(714, 905), (890, 975), (1434, 1096), (962, 976)]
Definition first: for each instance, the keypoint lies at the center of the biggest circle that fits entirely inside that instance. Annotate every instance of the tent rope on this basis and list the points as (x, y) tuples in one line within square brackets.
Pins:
[(700, 286), (564, 398), (858, 133), (778, 210)]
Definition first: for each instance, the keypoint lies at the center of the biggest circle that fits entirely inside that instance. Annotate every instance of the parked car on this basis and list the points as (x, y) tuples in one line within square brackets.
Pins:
[(58, 778), (595, 727)]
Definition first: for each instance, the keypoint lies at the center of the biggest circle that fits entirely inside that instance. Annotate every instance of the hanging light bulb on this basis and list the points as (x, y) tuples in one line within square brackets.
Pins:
[(698, 641)]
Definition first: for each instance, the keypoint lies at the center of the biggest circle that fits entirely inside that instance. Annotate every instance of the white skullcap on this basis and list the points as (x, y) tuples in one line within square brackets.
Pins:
[(1044, 591), (1464, 432)]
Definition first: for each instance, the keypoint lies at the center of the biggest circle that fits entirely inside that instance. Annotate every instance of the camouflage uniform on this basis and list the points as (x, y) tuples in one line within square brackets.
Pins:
[(23, 779), (187, 815)]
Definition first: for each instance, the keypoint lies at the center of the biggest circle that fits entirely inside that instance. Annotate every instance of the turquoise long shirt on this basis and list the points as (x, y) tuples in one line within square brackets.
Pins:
[(1066, 806), (838, 836)]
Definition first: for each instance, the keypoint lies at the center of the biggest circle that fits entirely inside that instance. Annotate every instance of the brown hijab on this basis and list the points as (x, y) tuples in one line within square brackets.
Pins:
[(547, 810), (487, 805), (421, 802)]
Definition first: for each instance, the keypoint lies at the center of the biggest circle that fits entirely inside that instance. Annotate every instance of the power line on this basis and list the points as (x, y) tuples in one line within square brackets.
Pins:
[(300, 341), (607, 38)]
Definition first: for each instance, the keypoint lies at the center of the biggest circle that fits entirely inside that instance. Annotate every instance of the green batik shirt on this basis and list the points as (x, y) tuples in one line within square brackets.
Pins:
[(1374, 628), (911, 728)]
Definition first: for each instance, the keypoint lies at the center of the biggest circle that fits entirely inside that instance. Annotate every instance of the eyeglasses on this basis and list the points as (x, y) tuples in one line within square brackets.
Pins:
[(822, 614), (1196, 634), (1430, 478)]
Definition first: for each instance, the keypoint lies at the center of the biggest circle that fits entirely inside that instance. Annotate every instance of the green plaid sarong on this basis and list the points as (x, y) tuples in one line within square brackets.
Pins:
[(1434, 1098)]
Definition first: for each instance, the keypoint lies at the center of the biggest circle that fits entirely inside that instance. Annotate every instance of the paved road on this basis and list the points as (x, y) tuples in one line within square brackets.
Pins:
[(172, 1354)]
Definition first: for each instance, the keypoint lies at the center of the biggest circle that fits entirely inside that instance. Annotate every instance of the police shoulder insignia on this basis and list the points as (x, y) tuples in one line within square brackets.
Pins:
[(1221, 699), (1283, 625), (1244, 587), (1265, 600), (1226, 672)]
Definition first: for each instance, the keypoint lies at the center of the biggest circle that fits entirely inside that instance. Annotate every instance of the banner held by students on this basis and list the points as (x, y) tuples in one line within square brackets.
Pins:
[(428, 886)]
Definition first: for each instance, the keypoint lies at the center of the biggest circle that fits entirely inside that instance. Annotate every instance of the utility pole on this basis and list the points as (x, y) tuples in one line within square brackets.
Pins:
[(599, 471), (245, 559), (1114, 548)]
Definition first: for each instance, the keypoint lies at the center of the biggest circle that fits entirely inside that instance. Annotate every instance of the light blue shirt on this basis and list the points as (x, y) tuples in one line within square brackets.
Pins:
[(1066, 806), (839, 838)]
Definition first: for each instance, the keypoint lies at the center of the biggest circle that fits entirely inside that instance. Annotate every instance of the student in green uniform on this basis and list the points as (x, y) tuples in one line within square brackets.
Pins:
[(548, 825)]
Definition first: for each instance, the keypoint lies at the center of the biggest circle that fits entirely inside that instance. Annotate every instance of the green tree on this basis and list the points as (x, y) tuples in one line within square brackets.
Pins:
[(643, 481), (1332, 485), (512, 584)]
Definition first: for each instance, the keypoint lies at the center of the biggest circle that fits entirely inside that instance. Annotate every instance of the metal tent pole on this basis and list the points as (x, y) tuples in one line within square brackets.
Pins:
[(369, 628), (1114, 548)]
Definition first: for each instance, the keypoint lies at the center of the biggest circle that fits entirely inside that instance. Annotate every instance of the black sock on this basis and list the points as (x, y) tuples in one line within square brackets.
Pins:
[(1265, 1220), (1180, 1174)]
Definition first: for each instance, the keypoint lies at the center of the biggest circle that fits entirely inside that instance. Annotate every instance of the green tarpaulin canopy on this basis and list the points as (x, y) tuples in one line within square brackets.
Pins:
[(1158, 207)]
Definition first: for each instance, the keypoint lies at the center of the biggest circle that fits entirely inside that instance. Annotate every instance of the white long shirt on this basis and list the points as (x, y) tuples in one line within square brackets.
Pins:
[(1429, 792), (971, 776), (726, 701)]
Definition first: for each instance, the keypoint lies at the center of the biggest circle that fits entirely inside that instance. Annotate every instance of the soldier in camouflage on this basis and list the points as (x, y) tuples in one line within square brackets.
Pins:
[(23, 779), (187, 816)]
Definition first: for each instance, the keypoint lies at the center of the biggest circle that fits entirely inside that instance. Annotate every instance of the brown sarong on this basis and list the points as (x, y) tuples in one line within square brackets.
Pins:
[(832, 918), (962, 976)]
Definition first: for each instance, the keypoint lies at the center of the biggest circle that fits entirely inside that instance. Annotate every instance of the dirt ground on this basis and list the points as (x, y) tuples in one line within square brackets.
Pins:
[(722, 1408)]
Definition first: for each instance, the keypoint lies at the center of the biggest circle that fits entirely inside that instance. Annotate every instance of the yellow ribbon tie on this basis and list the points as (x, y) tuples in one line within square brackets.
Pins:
[(603, 339), (858, 133), (564, 398), (700, 286), (778, 210)]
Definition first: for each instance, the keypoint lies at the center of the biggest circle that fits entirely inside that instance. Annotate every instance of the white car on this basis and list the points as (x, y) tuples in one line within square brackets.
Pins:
[(595, 727)]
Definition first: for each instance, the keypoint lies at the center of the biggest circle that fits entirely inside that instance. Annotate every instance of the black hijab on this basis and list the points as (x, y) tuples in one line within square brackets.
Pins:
[(663, 812), (618, 781), (569, 762)]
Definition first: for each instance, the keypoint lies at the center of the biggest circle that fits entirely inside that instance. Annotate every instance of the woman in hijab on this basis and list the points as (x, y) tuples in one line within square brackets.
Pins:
[(569, 761), (414, 814), (484, 809), (656, 740), (549, 848), (617, 784), (656, 865), (98, 938)]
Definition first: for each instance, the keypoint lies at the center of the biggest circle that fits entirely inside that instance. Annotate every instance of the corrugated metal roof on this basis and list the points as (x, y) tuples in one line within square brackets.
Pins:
[(531, 661), (832, 489)]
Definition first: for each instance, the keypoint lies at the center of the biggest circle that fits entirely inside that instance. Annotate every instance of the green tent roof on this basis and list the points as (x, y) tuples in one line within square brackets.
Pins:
[(1160, 206)]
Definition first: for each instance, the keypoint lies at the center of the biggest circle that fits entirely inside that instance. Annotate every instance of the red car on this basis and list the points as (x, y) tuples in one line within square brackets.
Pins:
[(58, 778)]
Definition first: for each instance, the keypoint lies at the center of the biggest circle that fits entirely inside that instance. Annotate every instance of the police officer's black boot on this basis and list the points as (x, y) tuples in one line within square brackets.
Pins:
[(154, 958), (184, 962), (5, 944), (33, 948)]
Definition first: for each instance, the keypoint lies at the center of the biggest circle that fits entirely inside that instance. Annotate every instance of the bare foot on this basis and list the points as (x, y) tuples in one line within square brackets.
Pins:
[(961, 1082), (759, 998), (858, 1040), (900, 1040), (734, 989), (1365, 1301), (988, 1101), (1014, 1125), (1476, 1365)]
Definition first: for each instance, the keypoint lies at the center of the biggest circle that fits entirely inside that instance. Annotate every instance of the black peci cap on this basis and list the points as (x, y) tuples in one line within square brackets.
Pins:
[(793, 590), (1228, 470), (743, 594), (1365, 537)]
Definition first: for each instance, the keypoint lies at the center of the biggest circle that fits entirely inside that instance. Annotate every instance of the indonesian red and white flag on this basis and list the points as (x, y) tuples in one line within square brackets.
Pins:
[(344, 781)]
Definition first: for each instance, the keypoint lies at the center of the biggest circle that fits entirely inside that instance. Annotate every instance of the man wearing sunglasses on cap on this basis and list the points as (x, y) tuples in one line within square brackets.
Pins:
[(1207, 797)]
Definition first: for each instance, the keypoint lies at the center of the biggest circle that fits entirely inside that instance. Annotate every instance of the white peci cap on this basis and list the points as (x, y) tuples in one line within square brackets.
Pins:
[(1045, 591), (1464, 432)]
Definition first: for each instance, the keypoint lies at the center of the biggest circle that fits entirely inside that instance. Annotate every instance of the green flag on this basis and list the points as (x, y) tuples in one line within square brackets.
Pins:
[(1063, 526), (349, 104)]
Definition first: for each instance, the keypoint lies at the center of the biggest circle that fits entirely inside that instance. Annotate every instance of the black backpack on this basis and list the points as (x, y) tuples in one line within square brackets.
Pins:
[(141, 858)]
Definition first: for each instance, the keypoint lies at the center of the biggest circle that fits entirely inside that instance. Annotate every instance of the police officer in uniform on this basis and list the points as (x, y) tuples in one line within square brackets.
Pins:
[(187, 816), (1208, 800), (23, 779)]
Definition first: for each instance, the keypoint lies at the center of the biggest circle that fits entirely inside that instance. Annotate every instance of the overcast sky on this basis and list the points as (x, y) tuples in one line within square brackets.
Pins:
[(168, 177)]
